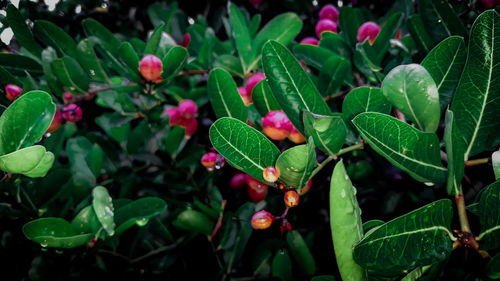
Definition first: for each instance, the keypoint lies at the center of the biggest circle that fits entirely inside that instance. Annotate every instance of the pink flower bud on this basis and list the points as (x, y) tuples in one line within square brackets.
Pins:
[(67, 97), (257, 190), (291, 198), (329, 12), (245, 96), (238, 181), (185, 40), (252, 81), (276, 125), (368, 30), (262, 220), (56, 122), (296, 136), (191, 125), (12, 92), (310, 41), (271, 174), (208, 160), (72, 113), (174, 115), (188, 109), (150, 67), (325, 25)]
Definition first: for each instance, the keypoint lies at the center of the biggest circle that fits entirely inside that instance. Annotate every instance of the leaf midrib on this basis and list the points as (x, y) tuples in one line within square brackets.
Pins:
[(221, 95)]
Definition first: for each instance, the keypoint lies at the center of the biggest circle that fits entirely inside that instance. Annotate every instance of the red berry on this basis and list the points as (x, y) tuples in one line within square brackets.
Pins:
[(56, 122), (296, 136), (209, 160), (72, 113), (262, 220), (306, 188), (188, 109), (291, 198), (256, 189), (174, 115), (67, 97), (329, 12), (150, 67), (245, 96), (252, 81), (271, 174), (276, 125), (185, 40), (368, 30), (325, 25), (191, 125), (238, 181), (12, 92), (255, 3), (285, 226), (310, 41)]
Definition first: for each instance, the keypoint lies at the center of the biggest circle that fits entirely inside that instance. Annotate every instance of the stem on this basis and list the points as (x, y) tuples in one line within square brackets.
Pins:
[(28, 199), (360, 145), (157, 251), (215, 253), (192, 72), (462, 213), (331, 97), (476, 162), (321, 165)]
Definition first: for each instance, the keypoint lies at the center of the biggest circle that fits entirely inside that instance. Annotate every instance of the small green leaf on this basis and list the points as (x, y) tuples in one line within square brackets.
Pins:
[(254, 25), (18, 64), (232, 139), (489, 217), (174, 61), (440, 20), (105, 37), (174, 140), (241, 37), (128, 55), (335, 43), (371, 224), (48, 55), (419, 238), (495, 161), (454, 152), (88, 60), (300, 252), (21, 31), (86, 221), (103, 207), (77, 149), (263, 98), (328, 132), (224, 96), (159, 42), (411, 89), (332, 74), (55, 232), (290, 84), (409, 149), (364, 99), (312, 55), (138, 212), (296, 164), (345, 223), (231, 64), (281, 266), (115, 125), (382, 43), (33, 161), (350, 19), (283, 29), (419, 33), (25, 121), (194, 221), (71, 75), (55, 37)]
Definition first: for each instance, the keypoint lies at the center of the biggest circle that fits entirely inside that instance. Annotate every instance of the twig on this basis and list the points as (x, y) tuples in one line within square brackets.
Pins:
[(157, 251), (192, 72), (360, 145), (476, 162)]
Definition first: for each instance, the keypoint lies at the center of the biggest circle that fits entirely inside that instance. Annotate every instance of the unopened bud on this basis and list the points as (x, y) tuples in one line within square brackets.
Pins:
[(150, 67), (262, 220)]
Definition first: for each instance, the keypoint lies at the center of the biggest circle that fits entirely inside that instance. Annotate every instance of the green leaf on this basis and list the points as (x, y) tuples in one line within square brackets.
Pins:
[(364, 99), (419, 238), (86, 221), (55, 37), (350, 19), (77, 149), (230, 63), (254, 25), (328, 132), (105, 37), (440, 20), (115, 125), (332, 74), (194, 221), (33, 161), (21, 31), (492, 269), (159, 42), (335, 43), (18, 64), (174, 61), (48, 55), (8, 78), (388, 31), (241, 37), (371, 224), (411, 89), (138, 212), (290, 84), (55, 232), (296, 164), (88, 60), (103, 208), (475, 103), (283, 29), (128, 55), (419, 33), (417, 273), (409, 149), (71, 74), (312, 55), (454, 152), (345, 223), (25, 121), (224, 96), (281, 266), (300, 252), (445, 63), (489, 217), (243, 147), (263, 98), (495, 162)]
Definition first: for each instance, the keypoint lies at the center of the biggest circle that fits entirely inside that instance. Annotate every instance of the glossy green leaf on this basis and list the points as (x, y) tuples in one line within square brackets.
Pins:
[(409, 149), (440, 20), (281, 266), (336, 44), (194, 221), (33, 161), (231, 64), (454, 152), (138, 212), (8, 78), (419, 238), (55, 232), (18, 64), (445, 63), (128, 55), (88, 60), (332, 74), (77, 149), (254, 25), (115, 125), (224, 96), (475, 103), (345, 223), (489, 217), (48, 55), (86, 221), (417, 273), (388, 31), (419, 34), (21, 31), (25, 121), (301, 253), (71, 75), (296, 165), (350, 19), (328, 132), (243, 147), (105, 37), (241, 37), (492, 269), (411, 89), (290, 84), (312, 55), (283, 29), (174, 61), (159, 42), (103, 208), (364, 99), (495, 162), (371, 224), (263, 98), (55, 37)]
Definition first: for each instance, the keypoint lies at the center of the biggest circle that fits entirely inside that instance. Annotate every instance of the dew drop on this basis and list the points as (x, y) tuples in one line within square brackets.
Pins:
[(342, 193), (59, 251), (111, 233), (141, 222), (44, 243), (439, 21)]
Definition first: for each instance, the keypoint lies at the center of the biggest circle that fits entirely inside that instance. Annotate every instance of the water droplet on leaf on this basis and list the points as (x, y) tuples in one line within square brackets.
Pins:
[(141, 222)]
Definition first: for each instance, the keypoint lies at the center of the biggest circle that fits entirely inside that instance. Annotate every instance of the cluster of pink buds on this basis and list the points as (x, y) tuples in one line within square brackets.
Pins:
[(151, 68), (246, 92), (328, 17), (277, 126), (212, 160), (184, 115), (12, 92)]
